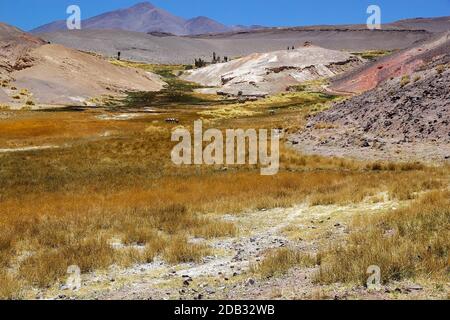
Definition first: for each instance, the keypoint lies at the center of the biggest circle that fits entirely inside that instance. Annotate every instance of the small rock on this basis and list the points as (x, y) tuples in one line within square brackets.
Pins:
[(250, 282), (414, 287)]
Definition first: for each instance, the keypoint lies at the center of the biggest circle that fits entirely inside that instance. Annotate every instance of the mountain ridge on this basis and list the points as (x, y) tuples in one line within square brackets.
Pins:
[(145, 17)]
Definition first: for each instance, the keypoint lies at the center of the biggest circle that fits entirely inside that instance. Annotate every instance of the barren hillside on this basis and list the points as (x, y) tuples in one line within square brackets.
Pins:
[(400, 63), (263, 74), (407, 116), (33, 72), (14, 49)]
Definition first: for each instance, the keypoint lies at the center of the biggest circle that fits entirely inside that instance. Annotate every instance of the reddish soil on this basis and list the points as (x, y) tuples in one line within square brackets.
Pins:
[(401, 63)]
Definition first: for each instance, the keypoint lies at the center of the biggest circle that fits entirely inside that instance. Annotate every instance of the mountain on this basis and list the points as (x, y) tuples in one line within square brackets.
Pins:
[(203, 25), (143, 17)]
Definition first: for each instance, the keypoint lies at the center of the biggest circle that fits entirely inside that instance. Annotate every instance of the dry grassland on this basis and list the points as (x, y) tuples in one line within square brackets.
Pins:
[(113, 182)]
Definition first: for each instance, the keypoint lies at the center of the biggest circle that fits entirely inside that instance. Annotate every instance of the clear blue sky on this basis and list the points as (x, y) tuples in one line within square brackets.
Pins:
[(27, 14)]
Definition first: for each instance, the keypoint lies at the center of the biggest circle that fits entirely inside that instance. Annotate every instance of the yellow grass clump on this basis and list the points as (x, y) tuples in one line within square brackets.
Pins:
[(278, 262)]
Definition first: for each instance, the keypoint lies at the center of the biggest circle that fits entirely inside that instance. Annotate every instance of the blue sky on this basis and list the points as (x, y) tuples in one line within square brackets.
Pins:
[(28, 14)]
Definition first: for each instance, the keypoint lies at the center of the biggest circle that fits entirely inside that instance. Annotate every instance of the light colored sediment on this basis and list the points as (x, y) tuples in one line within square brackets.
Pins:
[(24, 149), (268, 73)]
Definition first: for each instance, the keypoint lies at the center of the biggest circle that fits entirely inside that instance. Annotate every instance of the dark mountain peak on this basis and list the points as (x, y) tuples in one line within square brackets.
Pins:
[(143, 6), (202, 24), (200, 19)]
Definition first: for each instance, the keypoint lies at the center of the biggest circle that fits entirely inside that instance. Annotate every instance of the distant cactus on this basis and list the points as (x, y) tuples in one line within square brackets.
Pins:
[(199, 63)]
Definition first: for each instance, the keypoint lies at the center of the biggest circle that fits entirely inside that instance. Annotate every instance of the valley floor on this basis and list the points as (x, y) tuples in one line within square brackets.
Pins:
[(95, 187)]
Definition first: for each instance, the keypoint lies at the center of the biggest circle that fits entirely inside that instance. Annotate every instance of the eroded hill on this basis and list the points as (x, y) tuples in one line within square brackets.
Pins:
[(267, 73), (34, 72)]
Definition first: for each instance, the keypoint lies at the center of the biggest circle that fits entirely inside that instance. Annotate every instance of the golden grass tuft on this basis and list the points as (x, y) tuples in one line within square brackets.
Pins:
[(178, 250), (10, 288), (47, 266), (278, 262), (405, 80)]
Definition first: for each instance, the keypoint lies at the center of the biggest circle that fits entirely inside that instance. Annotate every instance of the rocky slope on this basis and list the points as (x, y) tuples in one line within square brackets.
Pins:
[(267, 73), (404, 118), (15, 46), (398, 64)]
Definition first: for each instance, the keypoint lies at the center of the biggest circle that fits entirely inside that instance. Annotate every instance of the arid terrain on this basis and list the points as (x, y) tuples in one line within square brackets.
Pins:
[(86, 176), (404, 112), (268, 73)]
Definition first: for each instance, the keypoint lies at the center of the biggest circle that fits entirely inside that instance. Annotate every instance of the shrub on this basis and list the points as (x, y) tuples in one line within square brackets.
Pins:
[(278, 262), (405, 80), (440, 69)]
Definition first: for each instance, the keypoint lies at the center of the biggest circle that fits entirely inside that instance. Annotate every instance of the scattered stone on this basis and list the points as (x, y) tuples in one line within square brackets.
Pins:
[(250, 282), (414, 287)]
